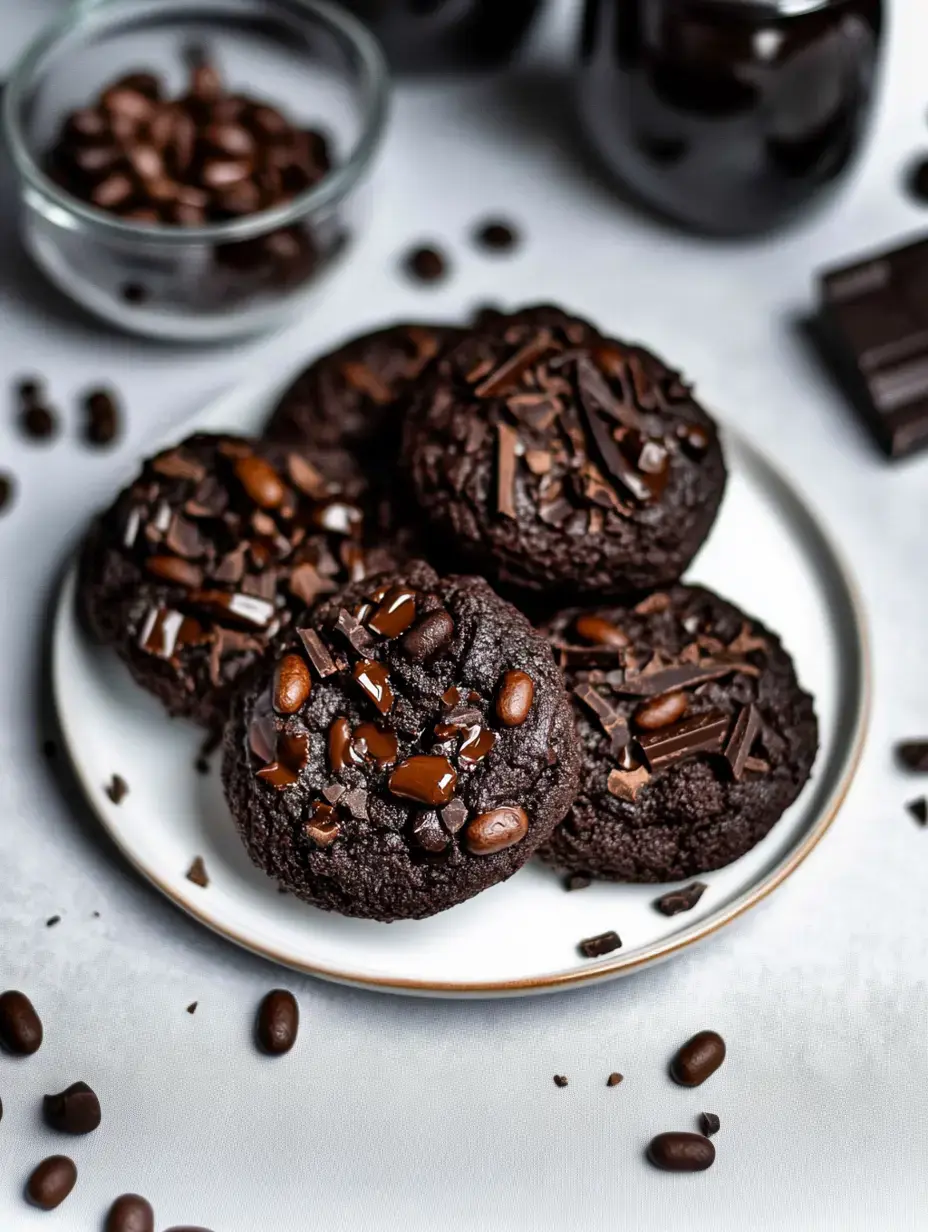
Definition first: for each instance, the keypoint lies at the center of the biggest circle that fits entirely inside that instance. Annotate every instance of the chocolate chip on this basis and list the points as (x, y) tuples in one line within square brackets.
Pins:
[(514, 699), (278, 1022), (197, 873), (192, 1007), (681, 1152), (130, 1213), (919, 810), (52, 921), (21, 1030), (429, 833), (677, 901), (425, 264), (596, 947), (660, 711), (454, 815), (495, 235), (102, 423), (292, 684), (709, 1123), (425, 779), (374, 680), (428, 637), (578, 881), (354, 632), (613, 1080), (394, 613), (322, 828), (496, 830), (51, 1182), (507, 441), (75, 1110), (117, 789), (7, 490), (560, 1080), (39, 423), (914, 755), (698, 1059)]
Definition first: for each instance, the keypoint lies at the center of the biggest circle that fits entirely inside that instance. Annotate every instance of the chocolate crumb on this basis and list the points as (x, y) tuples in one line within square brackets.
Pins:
[(50, 749), (52, 921), (38, 423), (919, 810), (577, 881), (596, 947), (425, 264), (560, 1080), (709, 1123), (201, 765), (680, 900), (192, 1007), (95, 915), (7, 488), (614, 1079), (134, 293), (197, 873), (117, 789), (914, 755), (496, 235)]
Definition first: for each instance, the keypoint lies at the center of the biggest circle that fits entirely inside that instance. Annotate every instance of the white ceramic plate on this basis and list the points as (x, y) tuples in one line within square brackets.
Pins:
[(767, 553)]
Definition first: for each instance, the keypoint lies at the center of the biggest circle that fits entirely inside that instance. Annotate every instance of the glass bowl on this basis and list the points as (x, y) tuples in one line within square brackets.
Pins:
[(315, 63)]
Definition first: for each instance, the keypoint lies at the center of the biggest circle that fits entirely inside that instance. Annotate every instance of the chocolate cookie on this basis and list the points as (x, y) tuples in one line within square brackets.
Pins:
[(560, 460), (411, 747), (349, 398), (202, 561), (695, 736)]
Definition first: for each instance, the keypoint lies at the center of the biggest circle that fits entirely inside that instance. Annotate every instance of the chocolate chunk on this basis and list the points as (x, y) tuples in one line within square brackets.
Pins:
[(374, 680), (278, 1023), (292, 753), (614, 1079), (454, 815), (425, 779), (626, 784), (670, 679), (429, 833), (197, 873), (51, 1182), (703, 733), (681, 1152), (428, 637), (395, 612), (292, 684), (496, 235), (496, 830), (578, 881), (914, 755), (709, 1123), (76, 1110), (21, 1030), (698, 1059), (919, 810), (680, 900), (506, 469), (743, 734), (117, 789), (505, 378), (319, 656), (612, 723), (425, 264), (514, 698), (322, 828), (560, 1080), (604, 943), (591, 402), (192, 1007), (354, 632), (130, 1213), (176, 570)]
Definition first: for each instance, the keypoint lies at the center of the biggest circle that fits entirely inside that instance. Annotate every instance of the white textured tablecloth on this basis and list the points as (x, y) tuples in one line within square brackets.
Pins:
[(412, 1114)]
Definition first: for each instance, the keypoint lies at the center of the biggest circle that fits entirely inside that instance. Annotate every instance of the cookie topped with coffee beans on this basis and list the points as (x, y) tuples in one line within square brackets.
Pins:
[(412, 745), (203, 560), (560, 460), (695, 735)]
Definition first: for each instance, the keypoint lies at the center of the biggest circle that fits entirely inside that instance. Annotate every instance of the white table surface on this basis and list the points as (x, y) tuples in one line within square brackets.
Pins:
[(412, 1114)]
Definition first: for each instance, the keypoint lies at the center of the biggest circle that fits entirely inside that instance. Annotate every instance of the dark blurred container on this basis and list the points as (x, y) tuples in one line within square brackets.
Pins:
[(728, 116), (432, 35)]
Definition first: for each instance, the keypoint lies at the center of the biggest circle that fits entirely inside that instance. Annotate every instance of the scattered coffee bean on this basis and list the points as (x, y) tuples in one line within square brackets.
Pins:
[(495, 831), (76, 1110), (496, 235), (130, 1213), (431, 635), (681, 1152), (577, 881), (698, 1059), (278, 1022), (600, 632), (914, 755), (102, 417), (680, 900), (38, 423), (52, 921), (614, 1079), (7, 488), (192, 1007), (51, 1182), (20, 1026), (425, 264), (292, 684), (919, 810), (515, 697), (709, 1123), (197, 873), (117, 789), (595, 947), (560, 1080)]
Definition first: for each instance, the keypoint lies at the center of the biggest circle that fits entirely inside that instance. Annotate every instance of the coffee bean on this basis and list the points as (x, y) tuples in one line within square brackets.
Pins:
[(231, 139), (52, 921), (128, 103), (425, 264), (102, 412), (292, 684), (148, 84), (117, 789), (515, 697), (175, 569), (145, 161), (88, 124), (260, 481), (205, 82), (130, 1213), (7, 489), (681, 1152), (698, 1059), (496, 235), (496, 830), (76, 1110), (278, 1022), (267, 121), (599, 632), (660, 711), (429, 637), (51, 1182), (20, 1026), (39, 423), (113, 193), (709, 1123), (224, 172)]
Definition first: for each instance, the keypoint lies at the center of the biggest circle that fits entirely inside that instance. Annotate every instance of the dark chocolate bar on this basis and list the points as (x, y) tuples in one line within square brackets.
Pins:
[(876, 317)]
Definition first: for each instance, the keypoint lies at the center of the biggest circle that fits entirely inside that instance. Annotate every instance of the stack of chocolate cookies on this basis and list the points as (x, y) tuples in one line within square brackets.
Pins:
[(437, 610)]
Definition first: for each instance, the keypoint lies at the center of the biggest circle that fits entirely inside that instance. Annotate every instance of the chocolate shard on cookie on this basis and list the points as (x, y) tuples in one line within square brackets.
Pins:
[(202, 562), (560, 460), (692, 744), (425, 761)]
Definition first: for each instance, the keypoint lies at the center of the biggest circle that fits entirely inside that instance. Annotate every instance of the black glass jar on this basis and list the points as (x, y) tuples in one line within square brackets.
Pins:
[(431, 35), (728, 116)]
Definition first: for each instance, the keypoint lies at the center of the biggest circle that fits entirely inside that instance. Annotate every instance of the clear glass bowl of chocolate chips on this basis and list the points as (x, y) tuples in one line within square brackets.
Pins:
[(192, 169)]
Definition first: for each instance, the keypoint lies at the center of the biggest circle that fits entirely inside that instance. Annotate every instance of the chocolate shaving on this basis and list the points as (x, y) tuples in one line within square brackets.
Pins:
[(506, 376), (249, 610), (668, 679), (354, 632), (612, 723), (592, 657), (678, 901), (742, 737), (177, 465), (703, 733), (231, 569), (476, 435), (197, 873), (210, 499), (597, 388), (626, 784), (506, 469), (746, 642), (615, 462), (365, 381), (316, 650)]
